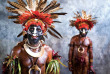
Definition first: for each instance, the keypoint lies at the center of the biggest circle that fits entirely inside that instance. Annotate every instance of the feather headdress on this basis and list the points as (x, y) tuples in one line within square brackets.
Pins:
[(36, 12), (84, 21)]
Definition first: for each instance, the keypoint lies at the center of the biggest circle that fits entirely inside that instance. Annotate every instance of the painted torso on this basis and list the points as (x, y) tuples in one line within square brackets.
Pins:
[(27, 61), (83, 42), (80, 61)]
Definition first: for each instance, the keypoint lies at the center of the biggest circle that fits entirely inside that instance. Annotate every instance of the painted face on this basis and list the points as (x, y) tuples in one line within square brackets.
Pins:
[(83, 32), (34, 34)]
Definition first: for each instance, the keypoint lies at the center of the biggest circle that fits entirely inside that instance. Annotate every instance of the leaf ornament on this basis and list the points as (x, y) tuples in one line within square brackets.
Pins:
[(53, 67), (11, 65)]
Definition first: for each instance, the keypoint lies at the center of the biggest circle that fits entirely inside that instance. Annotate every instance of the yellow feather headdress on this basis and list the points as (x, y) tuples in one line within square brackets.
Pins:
[(83, 21)]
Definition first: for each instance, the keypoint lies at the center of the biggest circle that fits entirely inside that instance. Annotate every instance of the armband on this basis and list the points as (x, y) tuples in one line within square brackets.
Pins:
[(91, 60), (70, 45), (69, 63)]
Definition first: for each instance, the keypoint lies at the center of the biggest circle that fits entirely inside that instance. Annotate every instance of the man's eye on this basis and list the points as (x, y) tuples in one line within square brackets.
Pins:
[(31, 29), (39, 30)]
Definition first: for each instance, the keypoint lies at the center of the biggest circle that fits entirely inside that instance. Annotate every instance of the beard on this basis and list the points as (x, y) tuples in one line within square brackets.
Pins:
[(32, 40), (83, 35)]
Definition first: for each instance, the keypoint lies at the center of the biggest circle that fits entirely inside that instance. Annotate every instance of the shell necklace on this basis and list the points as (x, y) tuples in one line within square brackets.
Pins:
[(34, 54)]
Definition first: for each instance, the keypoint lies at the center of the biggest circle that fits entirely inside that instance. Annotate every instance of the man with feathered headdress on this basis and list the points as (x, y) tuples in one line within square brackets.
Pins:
[(81, 50), (32, 55)]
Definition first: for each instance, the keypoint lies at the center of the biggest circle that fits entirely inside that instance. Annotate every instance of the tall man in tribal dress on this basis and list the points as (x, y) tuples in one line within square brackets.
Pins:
[(81, 48)]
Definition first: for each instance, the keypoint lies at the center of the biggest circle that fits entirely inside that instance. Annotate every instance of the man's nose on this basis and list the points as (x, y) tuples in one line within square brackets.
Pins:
[(35, 28), (84, 31), (35, 34)]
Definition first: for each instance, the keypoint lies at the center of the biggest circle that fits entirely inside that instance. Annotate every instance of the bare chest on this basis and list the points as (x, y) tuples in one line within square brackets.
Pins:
[(84, 42), (27, 61), (81, 46)]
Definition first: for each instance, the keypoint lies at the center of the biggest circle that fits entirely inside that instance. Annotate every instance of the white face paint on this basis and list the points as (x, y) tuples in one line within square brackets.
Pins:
[(84, 31), (35, 31), (34, 34)]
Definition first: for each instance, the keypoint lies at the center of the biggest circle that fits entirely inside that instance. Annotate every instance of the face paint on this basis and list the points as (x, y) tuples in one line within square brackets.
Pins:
[(83, 32), (34, 34)]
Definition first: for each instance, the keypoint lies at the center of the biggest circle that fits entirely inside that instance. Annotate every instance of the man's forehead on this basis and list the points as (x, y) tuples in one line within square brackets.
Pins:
[(32, 26), (83, 29)]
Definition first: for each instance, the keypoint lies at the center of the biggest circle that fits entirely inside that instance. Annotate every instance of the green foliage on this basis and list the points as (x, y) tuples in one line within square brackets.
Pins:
[(10, 63), (53, 67), (19, 67)]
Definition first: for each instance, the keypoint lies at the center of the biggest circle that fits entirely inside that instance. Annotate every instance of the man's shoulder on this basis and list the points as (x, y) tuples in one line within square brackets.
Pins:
[(88, 39), (19, 45), (75, 37), (17, 49), (47, 48)]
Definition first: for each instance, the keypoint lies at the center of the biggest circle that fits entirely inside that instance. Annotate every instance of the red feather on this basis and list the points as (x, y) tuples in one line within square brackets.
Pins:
[(88, 24), (44, 17), (36, 14)]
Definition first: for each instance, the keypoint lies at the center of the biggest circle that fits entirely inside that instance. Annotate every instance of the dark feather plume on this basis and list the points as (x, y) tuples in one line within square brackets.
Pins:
[(50, 5), (17, 22), (13, 12), (56, 31), (58, 13), (56, 22), (20, 34), (51, 33), (9, 8), (51, 8), (12, 17), (72, 23), (16, 5), (41, 5), (22, 3), (29, 2), (54, 16)]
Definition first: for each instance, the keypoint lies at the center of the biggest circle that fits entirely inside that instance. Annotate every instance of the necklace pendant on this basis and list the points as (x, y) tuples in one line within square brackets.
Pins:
[(81, 49), (35, 68)]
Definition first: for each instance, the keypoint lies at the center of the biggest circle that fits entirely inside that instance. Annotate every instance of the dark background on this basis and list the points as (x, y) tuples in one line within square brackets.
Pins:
[(100, 34)]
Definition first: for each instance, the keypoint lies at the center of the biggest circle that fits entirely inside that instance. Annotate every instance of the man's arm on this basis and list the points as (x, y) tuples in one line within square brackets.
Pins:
[(71, 48), (91, 57), (16, 50), (49, 54), (9, 62), (91, 54)]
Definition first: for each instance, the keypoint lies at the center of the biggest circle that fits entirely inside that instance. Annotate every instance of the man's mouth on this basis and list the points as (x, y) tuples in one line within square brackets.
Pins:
[(34, 37), (83, 33)]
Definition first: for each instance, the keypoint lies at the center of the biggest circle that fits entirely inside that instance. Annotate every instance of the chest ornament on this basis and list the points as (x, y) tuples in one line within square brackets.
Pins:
[(81, 49), (33, 54), (36, 68), (36, 55)]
